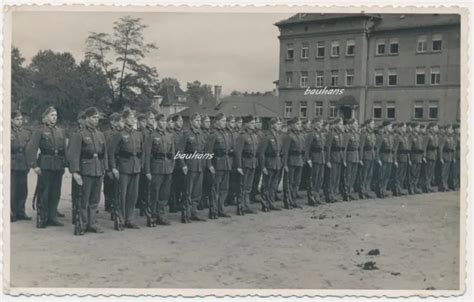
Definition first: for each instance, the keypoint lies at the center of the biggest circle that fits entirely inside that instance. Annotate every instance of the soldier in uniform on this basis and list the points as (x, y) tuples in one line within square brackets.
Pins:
[(146, 124), (19, 167), (269, 151), (207, 181), (116, 125), (447, 150), (352, 159), (416, 158), (455, 167), (246, 162), (367, 152), (87, 156), (385, 158), (159, 164), (220, 144), (177, 179), (258, 170), (234, 182), (335, 158), (193, 142), (49, 166), (125, 160), (431, 155), (169, 124), (305, 184), (315, 156), (402, 159), (293, 151), (75, 187)]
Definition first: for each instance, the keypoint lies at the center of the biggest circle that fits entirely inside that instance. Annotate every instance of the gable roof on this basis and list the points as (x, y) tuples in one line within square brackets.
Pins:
[(170, 95)]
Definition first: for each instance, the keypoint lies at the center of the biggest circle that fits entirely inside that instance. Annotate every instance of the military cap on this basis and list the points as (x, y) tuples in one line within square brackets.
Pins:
[(316, 120), (91, 111), (368, 121), (257, 119), (431, 125), (230, 117), (292, 121), (176, 117), (194, 116), (247, 119), (205, 117), (160, 116), (219, 116), (238, 119), (141, 117), (274, 120), (169, 118), (127, 113), (422, 126), (48, 111), (336, 121), (386, 123), (350, 121), (115, 117), (16, 113), (414, 124)]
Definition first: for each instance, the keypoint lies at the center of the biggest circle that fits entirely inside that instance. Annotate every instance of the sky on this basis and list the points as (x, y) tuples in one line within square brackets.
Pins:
[(238, 51)]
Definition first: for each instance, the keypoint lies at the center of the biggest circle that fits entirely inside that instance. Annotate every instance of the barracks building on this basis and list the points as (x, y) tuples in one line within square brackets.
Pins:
[(399, 67)]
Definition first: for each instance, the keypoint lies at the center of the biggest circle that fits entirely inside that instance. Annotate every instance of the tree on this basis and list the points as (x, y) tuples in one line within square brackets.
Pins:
[(21, 81), (120, 57), (169, 82), (198, 92)]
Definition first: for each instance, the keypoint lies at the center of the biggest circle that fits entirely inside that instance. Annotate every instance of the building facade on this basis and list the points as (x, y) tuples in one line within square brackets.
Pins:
[(384, 66)]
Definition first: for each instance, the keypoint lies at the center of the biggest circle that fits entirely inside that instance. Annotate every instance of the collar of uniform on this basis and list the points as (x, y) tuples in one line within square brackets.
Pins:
[(195, 130), (161, 131), (91, 129), (51, 126), (16, 129), (128, 128)]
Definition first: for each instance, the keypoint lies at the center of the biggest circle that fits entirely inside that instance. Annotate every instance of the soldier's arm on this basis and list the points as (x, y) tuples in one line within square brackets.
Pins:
[(442, 142), (345, 144), (329, 148), (425, 144), (285, 149), (378, 145), (32, 149), (74, 152), (307, 146), (147, 151), (262, 146), (396, 145), (239, 146), (180, 146), (209, 148), (113, 150), (361, 144), (106, 155)]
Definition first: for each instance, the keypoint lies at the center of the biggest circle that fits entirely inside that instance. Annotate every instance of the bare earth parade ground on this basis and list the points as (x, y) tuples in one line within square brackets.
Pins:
[(413, 244)]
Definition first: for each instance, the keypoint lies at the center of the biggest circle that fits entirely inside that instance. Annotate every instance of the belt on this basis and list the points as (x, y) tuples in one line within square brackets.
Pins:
[(404, 151), (386, 151), (314, 150), (351, 150), (162, 155), (271, 155), (369, 148), (337, 149), (221, 153), (92, 155), (432, 148), (417, 151), (126, 154), (296, 152), (55, 152)]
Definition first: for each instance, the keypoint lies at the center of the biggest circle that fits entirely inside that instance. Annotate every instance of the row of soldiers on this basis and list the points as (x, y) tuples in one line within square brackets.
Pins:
[(153, 162)]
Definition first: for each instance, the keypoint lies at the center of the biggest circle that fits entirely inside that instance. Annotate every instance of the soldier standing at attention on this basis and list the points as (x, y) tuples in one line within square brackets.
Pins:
[(19, 168), (315, 155), (207, 175), (219, 144), (402, 159), (125, 160), (431, 155), (246, 162), (75, 187), (293, 152), (258, 170), (146, 125), (177, 179), (416, 156), (385, 158), (352, 158), (234, 182), (159, 164), (455, 167), (169, 125), (335, 158), (367, 152), (87, 156), (116, 125), (447, 150), (49, 166)]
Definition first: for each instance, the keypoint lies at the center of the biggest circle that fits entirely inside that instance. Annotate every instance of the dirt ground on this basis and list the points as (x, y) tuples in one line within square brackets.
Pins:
[(314, 248)]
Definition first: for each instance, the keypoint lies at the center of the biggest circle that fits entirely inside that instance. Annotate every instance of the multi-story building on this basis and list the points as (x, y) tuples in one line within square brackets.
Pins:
[(385, 66)]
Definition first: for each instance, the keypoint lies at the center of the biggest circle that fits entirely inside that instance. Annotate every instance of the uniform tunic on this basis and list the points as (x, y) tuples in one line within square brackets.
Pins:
[(269, 157), (293, 152), (385, 155), (352, 160), (19, 171), (402, 155), (335, 156), (246, 158), (315, 152), (416, 156), (368, 156)]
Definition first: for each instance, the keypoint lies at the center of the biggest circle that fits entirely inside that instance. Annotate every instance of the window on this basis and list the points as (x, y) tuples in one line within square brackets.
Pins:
[(437, 42), (350, 77), (421, 44), (390, 110), (334, 77), (319, 78), (303, 109), (377, 110), (350, 47), (320, 49), (420, 76), (433, 110), (418, 110), (394, 46), (304, 79), (380, 44), (335, 49), (318, 109), (305, 51), (290, 52), (392, 77), (332, 111), (289, 79), (435, 76), (379, 77), (288, 109)]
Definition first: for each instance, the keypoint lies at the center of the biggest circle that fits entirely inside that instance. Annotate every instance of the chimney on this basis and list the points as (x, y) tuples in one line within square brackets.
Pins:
[(218, 93)]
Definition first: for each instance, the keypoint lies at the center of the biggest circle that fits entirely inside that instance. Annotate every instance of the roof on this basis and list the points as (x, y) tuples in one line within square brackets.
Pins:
[(170, 95), (239, 106), (386, 21)]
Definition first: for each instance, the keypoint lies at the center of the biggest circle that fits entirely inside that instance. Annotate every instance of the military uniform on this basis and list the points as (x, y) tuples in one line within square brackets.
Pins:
[(269, 157), (234, 176), (126, 155), (159, 162), (258, 172), (143, 184), (109, 194), (315, 152), (447, 152), (208, 179), (51, 141), (335, 156), (293, 151), (416, 156), (19, 172), (220, 144), (385, 155), (246, 159), (352, 160), (177, 178), (402, 157), (431, 155), (368, 156), (455, 167), (87, 155)]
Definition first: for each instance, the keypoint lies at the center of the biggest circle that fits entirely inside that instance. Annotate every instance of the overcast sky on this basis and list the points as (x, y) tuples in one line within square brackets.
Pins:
[(238, 51)]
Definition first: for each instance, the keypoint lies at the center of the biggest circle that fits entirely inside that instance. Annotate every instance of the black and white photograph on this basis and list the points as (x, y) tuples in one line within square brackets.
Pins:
[(219, 150)]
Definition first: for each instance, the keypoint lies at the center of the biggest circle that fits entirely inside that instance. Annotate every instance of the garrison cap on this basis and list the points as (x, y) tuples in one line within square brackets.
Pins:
[(247, 119), (127, 113), (176, 117), (115, 117), (141, 117), (274, 120), (16, 113), (238, 119), (386, 123), (219, 116), (293, 121), (91, 111), (194, 116), (230, 117), (48, 111)]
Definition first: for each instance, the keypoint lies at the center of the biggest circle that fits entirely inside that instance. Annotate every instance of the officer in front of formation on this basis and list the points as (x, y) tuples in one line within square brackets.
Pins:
[(19, 167), (87, 156), (246, 162), (220, 144), (125, 160), (334, 158), (159, 164), (269, 157), (48, 165), (316, 155)]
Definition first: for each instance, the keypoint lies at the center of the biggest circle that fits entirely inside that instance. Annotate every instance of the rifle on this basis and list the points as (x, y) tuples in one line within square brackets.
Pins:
[(36, 202), (287, 199), (184, 201), (77, 208), (146, 206), (116, 208), (212, 198), (239, 190)]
